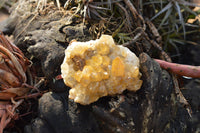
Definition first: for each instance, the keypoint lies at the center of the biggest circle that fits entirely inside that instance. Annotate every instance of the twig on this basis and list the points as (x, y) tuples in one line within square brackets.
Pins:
[(29, 96), (156, 45), (126, 14), (135, 13), (179, 69), (136, 38), (154, 31)]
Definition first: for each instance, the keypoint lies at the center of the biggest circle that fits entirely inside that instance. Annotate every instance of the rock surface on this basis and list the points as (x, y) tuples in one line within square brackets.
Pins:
[(150, 109), (43, 37), (58, 115)]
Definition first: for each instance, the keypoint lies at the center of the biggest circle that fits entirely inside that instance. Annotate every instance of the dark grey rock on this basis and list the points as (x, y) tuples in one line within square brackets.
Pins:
[(58, 115), (151, 109)]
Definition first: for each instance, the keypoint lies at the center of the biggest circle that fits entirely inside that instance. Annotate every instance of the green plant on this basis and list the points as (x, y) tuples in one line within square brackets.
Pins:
[(170, 18)]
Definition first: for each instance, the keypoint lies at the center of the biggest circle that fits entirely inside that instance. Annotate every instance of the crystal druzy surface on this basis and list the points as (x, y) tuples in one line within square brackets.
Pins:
[(99, 68)]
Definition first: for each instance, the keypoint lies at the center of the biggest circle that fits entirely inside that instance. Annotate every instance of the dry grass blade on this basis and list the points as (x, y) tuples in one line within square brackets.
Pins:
[(15, 61), (11, 47), (106, 3), (183, 2), (163, 10), (169, 11), (58, 3), (10, 78), (97, 7), (67, 4), (180, 17), (19, 91), (7, 95), (155, 2), (13, 68), (190, 11)]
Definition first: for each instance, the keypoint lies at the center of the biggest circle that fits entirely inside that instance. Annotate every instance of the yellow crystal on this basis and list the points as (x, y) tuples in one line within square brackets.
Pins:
[(96, 76), (96, 60), (106, 60), (78, 76), (103, 48), (105, 75), (117, 67), (99, 68)]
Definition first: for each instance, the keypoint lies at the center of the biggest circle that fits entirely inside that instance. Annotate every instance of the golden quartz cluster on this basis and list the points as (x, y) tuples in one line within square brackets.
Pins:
[(99, 68)]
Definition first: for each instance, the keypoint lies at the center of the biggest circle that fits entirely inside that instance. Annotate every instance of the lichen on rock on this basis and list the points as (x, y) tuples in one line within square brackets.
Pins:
[(99, 68)]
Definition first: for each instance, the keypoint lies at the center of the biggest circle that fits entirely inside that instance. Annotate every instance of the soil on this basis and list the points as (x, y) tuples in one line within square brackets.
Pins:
[(154, 108)]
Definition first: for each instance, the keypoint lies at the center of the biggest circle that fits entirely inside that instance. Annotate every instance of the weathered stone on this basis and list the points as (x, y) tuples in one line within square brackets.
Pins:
[(58, 115)]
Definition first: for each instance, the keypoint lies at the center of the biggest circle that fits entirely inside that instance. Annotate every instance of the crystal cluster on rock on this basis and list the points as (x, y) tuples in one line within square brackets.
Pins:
[(99, 68)]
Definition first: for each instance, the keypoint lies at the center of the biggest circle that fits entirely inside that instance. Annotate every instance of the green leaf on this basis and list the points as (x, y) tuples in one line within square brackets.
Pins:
[(191, 16)]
